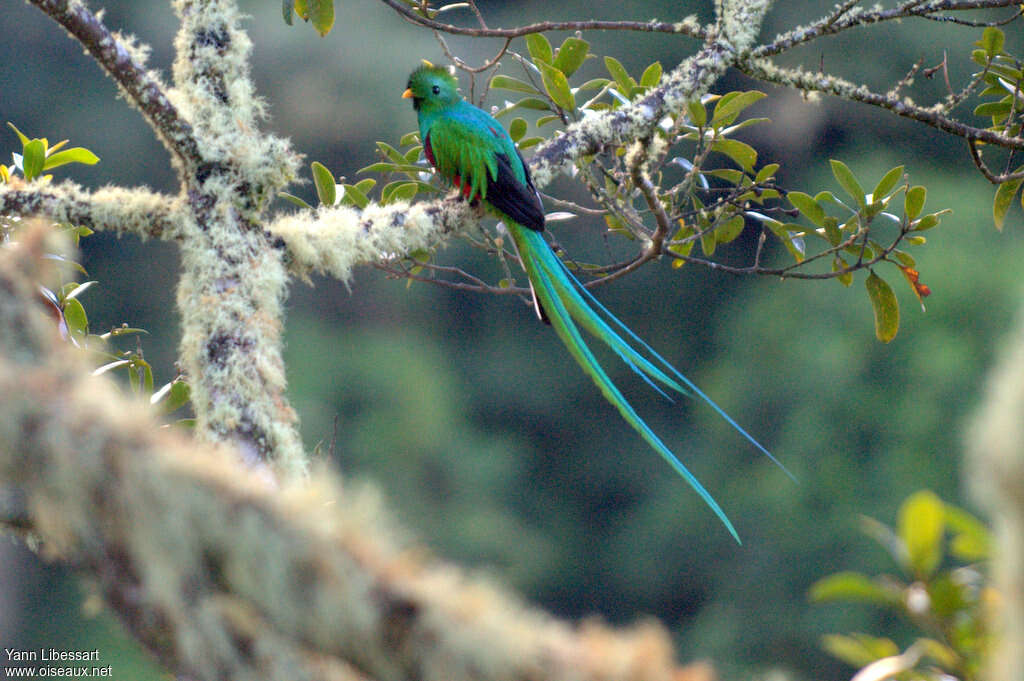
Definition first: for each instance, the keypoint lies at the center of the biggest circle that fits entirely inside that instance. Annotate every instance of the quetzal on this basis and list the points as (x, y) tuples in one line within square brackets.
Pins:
[(471, 149)]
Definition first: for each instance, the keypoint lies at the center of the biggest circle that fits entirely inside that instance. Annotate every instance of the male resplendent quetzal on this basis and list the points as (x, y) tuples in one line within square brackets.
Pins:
[(471, 149)]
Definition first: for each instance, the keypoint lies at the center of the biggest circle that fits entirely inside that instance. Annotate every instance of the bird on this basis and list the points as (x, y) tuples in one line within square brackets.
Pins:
[(470, 149)]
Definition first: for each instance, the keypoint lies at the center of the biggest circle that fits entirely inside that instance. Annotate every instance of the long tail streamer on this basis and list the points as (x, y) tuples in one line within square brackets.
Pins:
[(567, 303)]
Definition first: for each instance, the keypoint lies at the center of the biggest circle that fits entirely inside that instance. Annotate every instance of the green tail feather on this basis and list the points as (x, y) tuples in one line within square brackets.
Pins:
[(567, 302)]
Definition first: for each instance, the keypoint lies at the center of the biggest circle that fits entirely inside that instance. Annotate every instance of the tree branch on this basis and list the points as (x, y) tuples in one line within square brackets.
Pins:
[(224, 576), (125, 64), (847, 16), (110, 209), (688, 27), (801, 79)]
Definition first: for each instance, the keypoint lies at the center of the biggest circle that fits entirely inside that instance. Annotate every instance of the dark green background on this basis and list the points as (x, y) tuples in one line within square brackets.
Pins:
[(488, 440)]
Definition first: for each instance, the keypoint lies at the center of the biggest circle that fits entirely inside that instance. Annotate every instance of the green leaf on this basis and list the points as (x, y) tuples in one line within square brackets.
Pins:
[(1004, 197), (409, 138), (698, 114), (557, 86), (533, 103), (887, 183), (913, 203), (513, 84), (838, 265), (325, 186), (651, 75), (995, 109), (885, 306), (517, 128), (859, 650), (766, 172), (730, 229), (571, 55), (286, 10), (388, 167), (77, 321), (539, 47), (172, 396), (921, 523), (354, 196), (619, 74), (401, 191), (33, 158), (971, 540), (848, 181), (294, 199), (74, 290), (991, 41), (321, 13), (852, 587), (731, 105), (73, 155), (810, 208), (742, 153), (392, 153), (19, 133)]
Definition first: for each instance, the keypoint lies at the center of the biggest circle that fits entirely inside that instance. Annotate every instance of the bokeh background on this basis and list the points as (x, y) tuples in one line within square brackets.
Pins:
[(488, 441)]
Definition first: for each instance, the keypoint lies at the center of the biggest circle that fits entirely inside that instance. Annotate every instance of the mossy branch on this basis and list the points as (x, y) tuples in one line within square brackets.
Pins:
[(110, 209), (224, 575), (125, 63)]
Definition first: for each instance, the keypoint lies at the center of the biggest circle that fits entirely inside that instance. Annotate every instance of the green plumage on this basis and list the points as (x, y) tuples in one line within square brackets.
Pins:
[(469, 148)]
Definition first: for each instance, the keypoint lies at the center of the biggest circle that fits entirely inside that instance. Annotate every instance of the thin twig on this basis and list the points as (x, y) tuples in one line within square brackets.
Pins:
[(681, 28)]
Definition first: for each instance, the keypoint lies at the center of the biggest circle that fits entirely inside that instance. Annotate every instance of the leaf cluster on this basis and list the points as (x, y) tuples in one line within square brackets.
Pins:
[(63, 301), (940, 552)]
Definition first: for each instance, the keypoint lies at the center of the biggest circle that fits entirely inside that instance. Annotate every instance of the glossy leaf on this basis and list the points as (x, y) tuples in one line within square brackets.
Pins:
[(921, 524), (326, 190), (806, 204), (539, 47), (730, 229), (732, 105), (1005, 194), (848, 181), (651, 75), (21, 136), (291, 198), (851, 587), (354, 196), (887, 183), (698, 113), (77, 321), (992, 41), (571, 55), (73, 155), (619, 74), (516, 129), (557, 87), (885, 307), (913, 203), (742, 153), (971, 540), (33, 158), (860, 649), (501, 82)]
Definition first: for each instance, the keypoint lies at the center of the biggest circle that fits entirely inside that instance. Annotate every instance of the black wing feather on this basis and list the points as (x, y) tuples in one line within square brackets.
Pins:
[(520, 202)]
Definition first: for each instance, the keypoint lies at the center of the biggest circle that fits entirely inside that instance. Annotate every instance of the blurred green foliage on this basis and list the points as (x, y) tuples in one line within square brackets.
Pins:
[(489, 442), (941, 590)]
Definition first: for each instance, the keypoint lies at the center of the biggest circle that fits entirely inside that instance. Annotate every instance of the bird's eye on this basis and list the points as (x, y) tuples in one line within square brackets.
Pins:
[(436, 90)]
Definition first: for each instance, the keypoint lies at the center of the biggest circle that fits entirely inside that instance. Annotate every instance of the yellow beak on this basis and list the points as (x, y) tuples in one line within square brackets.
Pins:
[(407, 94)]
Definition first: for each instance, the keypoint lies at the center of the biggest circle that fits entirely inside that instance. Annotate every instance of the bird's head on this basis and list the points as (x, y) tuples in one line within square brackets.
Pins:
[(432, 87)]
